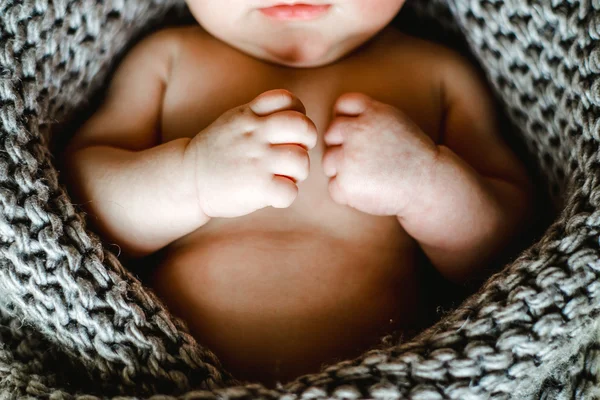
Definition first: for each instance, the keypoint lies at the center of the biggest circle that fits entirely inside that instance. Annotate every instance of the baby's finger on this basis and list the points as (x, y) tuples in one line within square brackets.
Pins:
[(351, 104), (336, 192), (282, 192), (289, 160), (276, 100), (290, 127), (332, 158), (336, 131)]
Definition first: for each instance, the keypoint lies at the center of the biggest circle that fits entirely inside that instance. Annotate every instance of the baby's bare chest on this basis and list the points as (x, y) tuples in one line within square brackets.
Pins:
[(200, 91), (194, 99), (357, 270)]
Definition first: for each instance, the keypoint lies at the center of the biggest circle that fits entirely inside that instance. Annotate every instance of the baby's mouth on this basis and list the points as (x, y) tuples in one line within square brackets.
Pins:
[(295, 12)]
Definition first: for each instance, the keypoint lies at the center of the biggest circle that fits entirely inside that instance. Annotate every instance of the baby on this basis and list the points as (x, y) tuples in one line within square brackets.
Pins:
[(286, 163)]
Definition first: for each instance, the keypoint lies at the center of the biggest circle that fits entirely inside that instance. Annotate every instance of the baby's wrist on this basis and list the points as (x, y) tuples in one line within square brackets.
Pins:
[(191, 165), (417, 197)]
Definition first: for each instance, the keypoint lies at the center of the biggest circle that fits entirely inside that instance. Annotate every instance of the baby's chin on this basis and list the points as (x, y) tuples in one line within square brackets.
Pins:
[(298, 56), (299, 60)]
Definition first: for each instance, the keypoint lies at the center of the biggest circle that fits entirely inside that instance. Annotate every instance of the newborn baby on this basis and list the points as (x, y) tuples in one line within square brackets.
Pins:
[(286, 163)]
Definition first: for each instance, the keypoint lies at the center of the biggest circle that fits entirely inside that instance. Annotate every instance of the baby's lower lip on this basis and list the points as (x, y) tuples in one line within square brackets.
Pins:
[(295, 11)]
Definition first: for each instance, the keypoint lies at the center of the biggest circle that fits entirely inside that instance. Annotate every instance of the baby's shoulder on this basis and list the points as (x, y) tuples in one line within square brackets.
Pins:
[(151, 57), (166, 54), (168, 43), (441, 66), (420, 52), (160, 43), (182, 35)]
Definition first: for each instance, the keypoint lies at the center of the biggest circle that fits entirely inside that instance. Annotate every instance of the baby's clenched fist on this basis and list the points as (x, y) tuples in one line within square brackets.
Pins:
[(252, 156), (377, 158)]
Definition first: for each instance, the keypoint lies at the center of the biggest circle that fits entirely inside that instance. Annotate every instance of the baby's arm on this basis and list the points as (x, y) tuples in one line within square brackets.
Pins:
[(478, 196), (463, 200), (139, 193), (144, 194)]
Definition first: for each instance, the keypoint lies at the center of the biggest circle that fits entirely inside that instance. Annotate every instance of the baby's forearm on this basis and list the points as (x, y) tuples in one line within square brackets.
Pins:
[(462, 219), (139, 200)]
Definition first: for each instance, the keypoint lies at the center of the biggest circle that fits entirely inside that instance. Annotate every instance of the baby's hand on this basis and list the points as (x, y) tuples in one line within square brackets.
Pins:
[(376, 156), (252, 156)]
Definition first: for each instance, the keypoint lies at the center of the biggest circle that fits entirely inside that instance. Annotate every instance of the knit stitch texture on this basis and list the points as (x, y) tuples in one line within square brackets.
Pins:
[(75, 324)]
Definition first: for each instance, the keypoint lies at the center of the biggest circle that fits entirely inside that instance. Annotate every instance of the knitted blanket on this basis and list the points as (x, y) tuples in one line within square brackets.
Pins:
[(75, 324)]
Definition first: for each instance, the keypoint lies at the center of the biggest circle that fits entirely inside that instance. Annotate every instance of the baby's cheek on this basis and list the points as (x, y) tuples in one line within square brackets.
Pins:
[(378, 12)]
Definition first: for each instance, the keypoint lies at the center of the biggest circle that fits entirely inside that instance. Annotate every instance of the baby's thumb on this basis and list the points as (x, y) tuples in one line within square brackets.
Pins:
[(351, 104)]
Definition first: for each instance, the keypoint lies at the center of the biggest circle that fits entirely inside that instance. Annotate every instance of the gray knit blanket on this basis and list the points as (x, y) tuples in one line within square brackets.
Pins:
[(75, 324)]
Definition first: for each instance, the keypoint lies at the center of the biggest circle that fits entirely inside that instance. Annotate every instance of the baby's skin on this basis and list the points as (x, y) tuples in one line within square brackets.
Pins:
[(286, 173)]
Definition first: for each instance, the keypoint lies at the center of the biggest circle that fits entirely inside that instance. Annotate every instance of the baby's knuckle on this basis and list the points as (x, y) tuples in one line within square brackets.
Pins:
[(240, 112), (247, 136), (245, 118)]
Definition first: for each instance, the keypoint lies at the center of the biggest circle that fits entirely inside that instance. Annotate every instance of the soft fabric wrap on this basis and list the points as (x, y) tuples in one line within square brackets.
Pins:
[(74, 323)]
